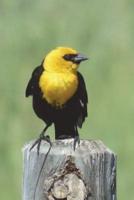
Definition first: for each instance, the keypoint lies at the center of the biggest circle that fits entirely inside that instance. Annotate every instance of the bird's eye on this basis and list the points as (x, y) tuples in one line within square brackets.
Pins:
[(69, 57)]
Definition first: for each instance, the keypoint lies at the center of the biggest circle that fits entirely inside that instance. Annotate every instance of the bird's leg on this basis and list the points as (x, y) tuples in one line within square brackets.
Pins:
[(41, 137), (76, 139)]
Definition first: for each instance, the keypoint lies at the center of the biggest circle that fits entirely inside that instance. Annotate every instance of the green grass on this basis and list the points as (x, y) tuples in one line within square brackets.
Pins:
[(101, 30)]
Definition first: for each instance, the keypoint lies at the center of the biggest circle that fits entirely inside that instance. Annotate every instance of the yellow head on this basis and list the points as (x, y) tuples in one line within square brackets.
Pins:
[(63, 59)]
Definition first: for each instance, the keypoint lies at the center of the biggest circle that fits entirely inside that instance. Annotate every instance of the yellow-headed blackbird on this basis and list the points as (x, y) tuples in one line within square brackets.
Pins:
[(59, 93)]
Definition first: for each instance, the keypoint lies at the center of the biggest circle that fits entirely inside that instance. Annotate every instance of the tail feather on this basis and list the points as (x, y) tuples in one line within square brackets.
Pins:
[(65, 130)]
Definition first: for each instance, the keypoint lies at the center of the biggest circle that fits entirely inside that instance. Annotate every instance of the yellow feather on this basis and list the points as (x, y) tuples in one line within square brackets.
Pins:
[(59, 81), (58, 88), (54, 61)]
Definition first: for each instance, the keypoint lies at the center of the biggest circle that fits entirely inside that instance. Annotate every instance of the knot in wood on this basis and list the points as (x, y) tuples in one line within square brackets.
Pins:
[(70, 167), (67, 184)]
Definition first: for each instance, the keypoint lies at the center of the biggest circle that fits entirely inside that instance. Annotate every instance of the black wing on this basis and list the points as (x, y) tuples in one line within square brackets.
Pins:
[(83, 100), (33, 84)]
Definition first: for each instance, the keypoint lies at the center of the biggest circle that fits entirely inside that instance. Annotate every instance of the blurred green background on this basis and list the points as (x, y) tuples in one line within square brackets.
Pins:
[(104, 31)]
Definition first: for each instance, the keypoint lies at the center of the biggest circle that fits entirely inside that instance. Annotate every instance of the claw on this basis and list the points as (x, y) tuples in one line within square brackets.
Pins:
[(38, 142), (76, 141), (47, 139), (38, 146), (34, 144)]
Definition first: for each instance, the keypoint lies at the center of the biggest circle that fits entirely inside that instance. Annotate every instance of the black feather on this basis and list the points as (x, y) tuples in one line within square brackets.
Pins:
[(32, 86)]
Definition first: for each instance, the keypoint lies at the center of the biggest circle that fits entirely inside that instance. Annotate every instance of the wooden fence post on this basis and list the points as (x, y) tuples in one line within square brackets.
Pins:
[(88, 173)]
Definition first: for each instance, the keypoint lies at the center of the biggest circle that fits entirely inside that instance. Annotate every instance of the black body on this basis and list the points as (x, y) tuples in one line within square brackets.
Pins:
[(67, 118)]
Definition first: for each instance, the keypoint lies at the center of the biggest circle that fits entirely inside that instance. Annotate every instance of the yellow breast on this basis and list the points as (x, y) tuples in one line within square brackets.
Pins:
[(58, 88)]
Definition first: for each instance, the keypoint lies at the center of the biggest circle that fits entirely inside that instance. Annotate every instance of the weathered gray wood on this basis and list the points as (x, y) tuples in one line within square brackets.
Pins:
[(89, 172)]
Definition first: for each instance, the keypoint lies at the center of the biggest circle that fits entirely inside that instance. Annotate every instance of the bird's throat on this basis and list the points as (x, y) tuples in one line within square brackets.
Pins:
[(58, 88)]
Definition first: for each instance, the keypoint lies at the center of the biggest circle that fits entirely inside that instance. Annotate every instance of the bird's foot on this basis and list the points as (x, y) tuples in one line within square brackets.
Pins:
[(38, 142), (76, 141)]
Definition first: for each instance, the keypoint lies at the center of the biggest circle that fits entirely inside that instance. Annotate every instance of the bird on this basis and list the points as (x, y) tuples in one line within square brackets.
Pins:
[(59, 94)]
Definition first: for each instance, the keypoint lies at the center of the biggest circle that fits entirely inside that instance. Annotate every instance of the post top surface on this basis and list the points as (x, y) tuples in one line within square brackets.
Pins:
[(66, 147)]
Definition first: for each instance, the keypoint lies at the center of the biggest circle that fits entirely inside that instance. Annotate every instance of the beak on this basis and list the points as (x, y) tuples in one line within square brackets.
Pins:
[(79, 58)]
